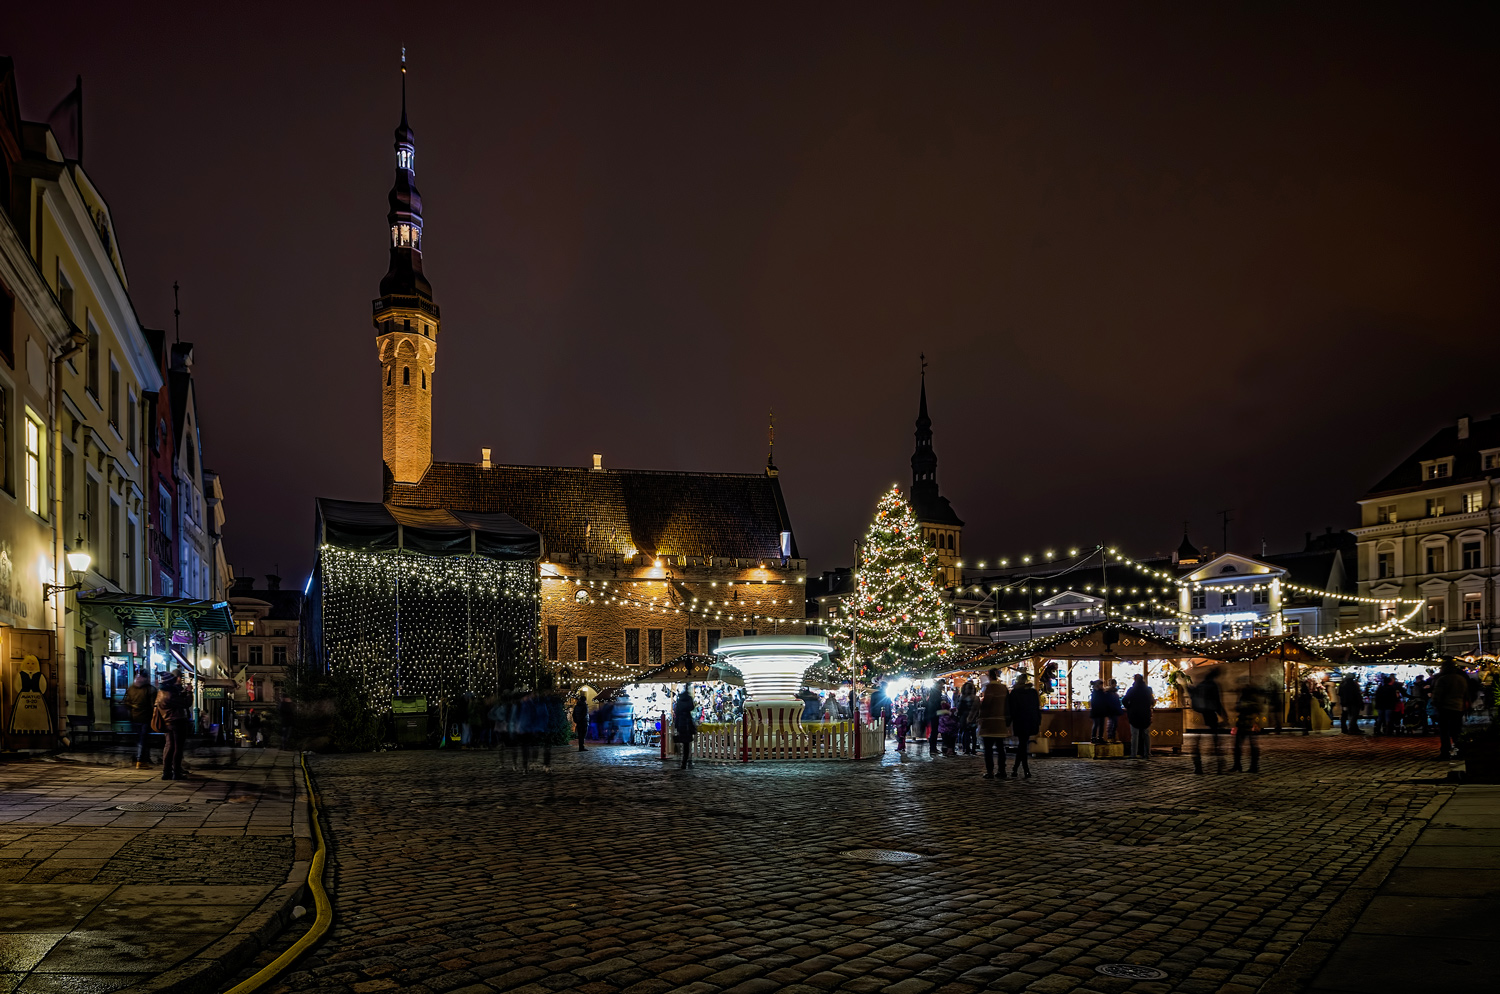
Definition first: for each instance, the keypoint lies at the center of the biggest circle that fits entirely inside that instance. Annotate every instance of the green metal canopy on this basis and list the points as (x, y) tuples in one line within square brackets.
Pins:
[(144, 612)]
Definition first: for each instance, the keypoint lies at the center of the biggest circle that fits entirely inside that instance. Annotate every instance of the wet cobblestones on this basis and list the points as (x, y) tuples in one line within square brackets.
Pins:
[(616, 874)]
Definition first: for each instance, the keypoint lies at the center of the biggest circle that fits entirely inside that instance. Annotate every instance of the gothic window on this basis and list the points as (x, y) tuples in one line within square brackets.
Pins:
[(424, 380), (406, 376), (388, 377)]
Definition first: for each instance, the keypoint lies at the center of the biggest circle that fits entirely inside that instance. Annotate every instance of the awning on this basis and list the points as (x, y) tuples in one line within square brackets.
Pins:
[(146, 613), (371, 527)]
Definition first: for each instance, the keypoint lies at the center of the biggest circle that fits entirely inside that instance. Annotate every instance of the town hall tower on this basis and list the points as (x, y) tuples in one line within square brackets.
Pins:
[(406, 324)]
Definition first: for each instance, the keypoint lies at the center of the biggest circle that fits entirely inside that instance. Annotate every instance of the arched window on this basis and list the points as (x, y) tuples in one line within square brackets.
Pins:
[(406, 376), (405, 158), (387, 377), (424, 380)]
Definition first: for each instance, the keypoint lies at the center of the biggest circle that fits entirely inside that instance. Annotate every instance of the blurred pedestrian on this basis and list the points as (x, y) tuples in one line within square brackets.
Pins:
[(581, 719), (253, 728), (171, 718), (286, 716), (1304, 705), (1025, 721), (1351, 703), (139, 698), (684, 726), (1387, 700), (948, 729), (1139, 704), (1208, 701), (968, 719), (1112, 710), (903, 725), (1450, 696), (993, 728), (1096, 711), (1250, 712), (1421, 695)]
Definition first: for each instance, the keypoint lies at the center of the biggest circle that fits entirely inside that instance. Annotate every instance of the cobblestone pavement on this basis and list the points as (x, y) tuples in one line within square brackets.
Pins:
[(93, 898), (616, 873)]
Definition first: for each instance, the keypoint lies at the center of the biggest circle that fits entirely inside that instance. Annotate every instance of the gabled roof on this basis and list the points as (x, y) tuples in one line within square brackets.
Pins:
[(1068, 597), (730, 515), (1228, 565), (1468, 465)]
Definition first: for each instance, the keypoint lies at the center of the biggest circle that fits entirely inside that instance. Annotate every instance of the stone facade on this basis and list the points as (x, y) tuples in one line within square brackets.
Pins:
[(407, 346)]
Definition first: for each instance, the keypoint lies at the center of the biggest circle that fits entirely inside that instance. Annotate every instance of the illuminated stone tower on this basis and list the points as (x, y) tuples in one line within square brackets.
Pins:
[(406, 323)]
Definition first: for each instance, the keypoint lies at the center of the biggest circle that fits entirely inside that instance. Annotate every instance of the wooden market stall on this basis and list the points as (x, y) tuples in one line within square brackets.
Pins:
[(1278, 662), (1062, 666)]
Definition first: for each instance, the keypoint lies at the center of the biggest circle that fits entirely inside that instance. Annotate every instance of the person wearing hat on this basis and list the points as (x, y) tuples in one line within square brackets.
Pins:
[(1025, 721)]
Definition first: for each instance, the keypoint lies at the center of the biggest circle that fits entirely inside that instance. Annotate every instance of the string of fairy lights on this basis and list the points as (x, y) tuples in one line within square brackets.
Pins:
[(403, 623)]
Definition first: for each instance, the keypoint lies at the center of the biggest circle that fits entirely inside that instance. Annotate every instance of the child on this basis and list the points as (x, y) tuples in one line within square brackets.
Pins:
[(903, 725), (948, 729)]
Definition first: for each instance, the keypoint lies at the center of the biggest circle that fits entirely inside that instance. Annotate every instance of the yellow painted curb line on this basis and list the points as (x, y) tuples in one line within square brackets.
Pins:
[(323, 906)]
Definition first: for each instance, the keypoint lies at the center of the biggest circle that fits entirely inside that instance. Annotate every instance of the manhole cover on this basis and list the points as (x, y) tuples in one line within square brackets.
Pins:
[(1129, 971), (151, 806), (880, 855)]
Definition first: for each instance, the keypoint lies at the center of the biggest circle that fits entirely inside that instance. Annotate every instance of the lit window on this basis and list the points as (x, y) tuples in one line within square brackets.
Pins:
[(1492, 460), (33, 466), (1229, 598), (1436, 611), (1385, 514), (405, 158), (1474, 500), (1435, 507), (1437, 470), (1472, 606)]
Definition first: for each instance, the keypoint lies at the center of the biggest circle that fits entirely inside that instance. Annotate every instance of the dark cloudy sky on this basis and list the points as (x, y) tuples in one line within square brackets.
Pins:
[(1163, 259)]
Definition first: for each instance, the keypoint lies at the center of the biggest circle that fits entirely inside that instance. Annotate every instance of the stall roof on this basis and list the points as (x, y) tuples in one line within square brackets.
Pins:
[(1104, 638), (144, 612), (371, 527), (1288, 647), (1385, 654)]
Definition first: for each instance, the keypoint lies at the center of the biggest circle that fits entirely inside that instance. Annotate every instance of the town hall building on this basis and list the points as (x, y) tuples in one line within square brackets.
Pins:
[(635, 567)]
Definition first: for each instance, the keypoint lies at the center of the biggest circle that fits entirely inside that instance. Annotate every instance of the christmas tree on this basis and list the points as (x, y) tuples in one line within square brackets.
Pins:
[(897, 619)]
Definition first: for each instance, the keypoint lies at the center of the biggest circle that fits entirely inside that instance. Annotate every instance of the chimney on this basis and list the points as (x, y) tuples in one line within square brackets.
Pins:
[(484, 458), (598, 463), (1463, 427), (273, 582)]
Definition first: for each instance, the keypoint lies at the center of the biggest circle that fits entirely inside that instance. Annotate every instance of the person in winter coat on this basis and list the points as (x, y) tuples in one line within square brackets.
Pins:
[(685, 725), (1351, 703), (937, 701), (903, 725), (1250, 711), (1112, 710), (1387, 700), (1025, 716), (993, 728), (1139, 704), (1450, 696), (581, 719), (1096, 710), (968, 719), (172, 703), (948, 729), (139, 698)]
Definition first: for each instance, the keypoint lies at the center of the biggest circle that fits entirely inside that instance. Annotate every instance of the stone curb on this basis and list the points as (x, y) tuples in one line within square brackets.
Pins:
[(1302, 966), (211, 967)]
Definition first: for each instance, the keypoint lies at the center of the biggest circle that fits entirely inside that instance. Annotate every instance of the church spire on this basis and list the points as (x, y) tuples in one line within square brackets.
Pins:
[(930, 505)]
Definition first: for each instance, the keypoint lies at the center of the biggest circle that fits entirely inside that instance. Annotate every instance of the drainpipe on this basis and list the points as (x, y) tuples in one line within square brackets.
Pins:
[(75, 345)]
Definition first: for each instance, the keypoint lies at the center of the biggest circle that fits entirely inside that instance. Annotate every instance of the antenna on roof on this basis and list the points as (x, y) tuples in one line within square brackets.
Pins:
[(176, 315)]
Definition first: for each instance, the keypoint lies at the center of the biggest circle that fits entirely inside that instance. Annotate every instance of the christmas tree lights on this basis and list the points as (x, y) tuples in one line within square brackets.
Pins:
[(898, 619)]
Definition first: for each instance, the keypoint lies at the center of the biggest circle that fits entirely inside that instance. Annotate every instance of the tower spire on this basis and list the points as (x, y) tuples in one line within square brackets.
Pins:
[(771, 443)]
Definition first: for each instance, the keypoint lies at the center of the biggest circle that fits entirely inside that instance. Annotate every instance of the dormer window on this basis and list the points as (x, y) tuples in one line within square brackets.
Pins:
[(405, 158), (1437, 469), (406, 235)]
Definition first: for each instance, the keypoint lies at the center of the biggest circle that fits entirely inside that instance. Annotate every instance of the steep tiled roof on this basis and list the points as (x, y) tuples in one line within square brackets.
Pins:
[(1467, 462), (732, 515)]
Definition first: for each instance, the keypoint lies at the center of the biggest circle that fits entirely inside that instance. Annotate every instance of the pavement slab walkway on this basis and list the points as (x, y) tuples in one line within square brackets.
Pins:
[(94, 898)]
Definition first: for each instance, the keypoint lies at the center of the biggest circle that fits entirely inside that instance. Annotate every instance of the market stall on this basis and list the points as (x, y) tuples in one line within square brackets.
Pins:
[(1278, 663), (1062, 666)]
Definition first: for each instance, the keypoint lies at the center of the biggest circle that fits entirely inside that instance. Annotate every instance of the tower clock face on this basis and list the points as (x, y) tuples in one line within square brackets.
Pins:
[(582, 596)]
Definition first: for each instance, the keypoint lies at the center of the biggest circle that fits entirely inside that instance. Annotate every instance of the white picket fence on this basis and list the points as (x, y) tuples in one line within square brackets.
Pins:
[(729, 742)]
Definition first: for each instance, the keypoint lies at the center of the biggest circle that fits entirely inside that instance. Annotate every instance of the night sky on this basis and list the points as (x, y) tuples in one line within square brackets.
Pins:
[(1162, 260)]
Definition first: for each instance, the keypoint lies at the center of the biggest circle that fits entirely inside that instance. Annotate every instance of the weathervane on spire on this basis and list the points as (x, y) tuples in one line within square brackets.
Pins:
[(923, 356), (770, 434)]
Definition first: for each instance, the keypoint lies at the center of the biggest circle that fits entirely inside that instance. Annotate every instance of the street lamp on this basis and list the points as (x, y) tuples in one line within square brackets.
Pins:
[(78, 562)]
